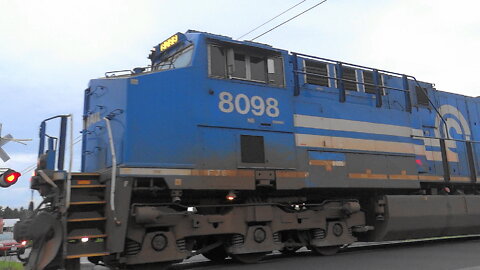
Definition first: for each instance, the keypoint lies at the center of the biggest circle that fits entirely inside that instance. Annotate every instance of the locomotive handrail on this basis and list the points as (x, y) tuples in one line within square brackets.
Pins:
[(434, 107), (47, 178), (70, 165), (61, 150), (112, 73), (62, 138), (114, 166), (127, 72), (353, 65)]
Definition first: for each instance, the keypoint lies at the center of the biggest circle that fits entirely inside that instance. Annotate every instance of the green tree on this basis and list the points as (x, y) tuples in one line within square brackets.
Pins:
[(8, 213)]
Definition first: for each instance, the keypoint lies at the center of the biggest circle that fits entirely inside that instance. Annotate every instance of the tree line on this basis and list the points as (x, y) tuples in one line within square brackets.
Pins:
[(8, 212)]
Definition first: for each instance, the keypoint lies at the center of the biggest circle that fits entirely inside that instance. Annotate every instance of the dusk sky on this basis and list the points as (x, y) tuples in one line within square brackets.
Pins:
[(50, 49)]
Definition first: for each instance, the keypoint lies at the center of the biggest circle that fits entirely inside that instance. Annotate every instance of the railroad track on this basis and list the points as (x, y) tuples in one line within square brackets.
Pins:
[(201, 263)]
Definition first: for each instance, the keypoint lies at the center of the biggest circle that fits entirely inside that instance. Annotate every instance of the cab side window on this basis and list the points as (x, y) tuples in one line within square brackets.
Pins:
[(258, 69), (275, 71), (217, 61), (245, 64), (240, 70)]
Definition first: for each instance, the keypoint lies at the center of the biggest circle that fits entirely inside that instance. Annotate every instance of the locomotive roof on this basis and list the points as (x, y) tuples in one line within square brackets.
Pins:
[(231, 40)]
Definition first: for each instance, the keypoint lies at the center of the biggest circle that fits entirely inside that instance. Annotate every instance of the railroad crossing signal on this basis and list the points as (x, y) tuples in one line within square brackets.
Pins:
[(8, 177), (4, 140)]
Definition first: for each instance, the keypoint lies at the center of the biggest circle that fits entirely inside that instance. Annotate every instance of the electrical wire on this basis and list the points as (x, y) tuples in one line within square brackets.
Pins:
[(27, 169), (292, 7), (301, 13)]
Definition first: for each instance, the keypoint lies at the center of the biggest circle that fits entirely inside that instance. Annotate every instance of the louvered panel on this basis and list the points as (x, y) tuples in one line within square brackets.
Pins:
[(317, 73), (422, 98), (349, 74), (368, 80)]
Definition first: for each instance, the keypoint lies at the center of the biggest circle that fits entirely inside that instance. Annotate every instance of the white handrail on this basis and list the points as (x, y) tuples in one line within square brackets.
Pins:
[(70, 165), (114, 164)]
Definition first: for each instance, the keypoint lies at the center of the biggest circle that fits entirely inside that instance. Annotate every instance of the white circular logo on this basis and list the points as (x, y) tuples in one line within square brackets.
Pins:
[(455, 121)]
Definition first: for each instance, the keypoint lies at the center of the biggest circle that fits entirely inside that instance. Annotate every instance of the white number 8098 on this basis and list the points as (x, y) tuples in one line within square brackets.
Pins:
[(243, 104)]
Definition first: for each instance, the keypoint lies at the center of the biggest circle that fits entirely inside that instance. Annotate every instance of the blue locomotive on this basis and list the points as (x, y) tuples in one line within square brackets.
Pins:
[(234, 149)]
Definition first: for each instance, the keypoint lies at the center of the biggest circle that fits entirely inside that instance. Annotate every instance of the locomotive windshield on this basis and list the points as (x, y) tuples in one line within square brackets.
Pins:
[(179, 59)]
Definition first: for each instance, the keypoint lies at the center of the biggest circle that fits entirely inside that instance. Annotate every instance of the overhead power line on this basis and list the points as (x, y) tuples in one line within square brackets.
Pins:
[(29, 168), (301, 13), (290, 8)]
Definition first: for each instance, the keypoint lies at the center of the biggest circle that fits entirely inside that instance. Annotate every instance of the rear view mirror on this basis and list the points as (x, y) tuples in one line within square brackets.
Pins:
[(270, 66)]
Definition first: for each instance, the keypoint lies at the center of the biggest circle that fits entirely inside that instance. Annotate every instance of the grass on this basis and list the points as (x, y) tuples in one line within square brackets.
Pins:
[(10, 266)]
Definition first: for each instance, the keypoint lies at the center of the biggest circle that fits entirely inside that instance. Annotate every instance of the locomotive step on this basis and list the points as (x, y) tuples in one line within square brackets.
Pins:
[(82, 249), (86, 219), (85, 182), (90, 213), (87, 236), (84, 214), (89, 186), (76, 256), (87, 202), (82, 174), (86, 197), (81, 232)]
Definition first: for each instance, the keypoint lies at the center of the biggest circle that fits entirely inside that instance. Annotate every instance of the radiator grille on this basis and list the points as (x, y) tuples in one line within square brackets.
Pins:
[(422, 98), (317, 73), (368, 80), (349, 74)]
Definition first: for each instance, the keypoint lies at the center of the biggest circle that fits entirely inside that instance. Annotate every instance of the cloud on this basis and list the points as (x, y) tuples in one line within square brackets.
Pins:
[(432, 40), (22, 158)]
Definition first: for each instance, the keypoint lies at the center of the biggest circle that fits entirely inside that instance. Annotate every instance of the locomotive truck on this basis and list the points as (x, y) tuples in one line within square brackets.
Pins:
[(232, 148)]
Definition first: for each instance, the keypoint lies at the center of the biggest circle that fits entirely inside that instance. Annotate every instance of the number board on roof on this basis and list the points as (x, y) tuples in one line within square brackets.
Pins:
[(170, 42)]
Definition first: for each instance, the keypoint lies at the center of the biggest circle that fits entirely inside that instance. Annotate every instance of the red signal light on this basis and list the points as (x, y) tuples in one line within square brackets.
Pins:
[(12, 177), (9, 177)]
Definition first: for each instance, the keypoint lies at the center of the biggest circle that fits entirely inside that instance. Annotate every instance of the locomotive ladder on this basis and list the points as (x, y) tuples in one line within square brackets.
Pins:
[(85, 219)]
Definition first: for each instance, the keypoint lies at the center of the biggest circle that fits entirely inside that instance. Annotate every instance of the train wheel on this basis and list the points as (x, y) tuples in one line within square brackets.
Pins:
[(248, 258), (325, 251), (217, 254)]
